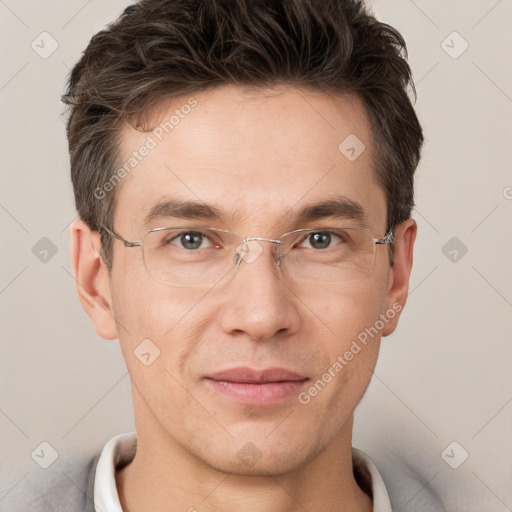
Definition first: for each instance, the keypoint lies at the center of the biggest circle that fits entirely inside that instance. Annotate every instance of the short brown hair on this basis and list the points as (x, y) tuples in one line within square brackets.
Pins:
[(161, 49)]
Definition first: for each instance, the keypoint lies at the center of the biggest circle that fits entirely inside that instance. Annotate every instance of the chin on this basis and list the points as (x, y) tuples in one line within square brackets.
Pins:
[(261, 457), (267, 465)]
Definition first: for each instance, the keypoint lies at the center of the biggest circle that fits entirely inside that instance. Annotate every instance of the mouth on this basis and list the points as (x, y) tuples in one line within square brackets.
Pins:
[(257, 387)]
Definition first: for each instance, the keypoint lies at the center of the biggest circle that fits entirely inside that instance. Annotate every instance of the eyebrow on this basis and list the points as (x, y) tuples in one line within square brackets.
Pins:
[(182, 210), (339, 207)]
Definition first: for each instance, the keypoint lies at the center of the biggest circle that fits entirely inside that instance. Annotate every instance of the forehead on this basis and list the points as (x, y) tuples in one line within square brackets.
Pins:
[(254, 155)]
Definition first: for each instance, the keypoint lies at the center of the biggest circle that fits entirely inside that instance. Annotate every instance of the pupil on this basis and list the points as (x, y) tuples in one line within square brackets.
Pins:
[(191, 240), (320, 240)]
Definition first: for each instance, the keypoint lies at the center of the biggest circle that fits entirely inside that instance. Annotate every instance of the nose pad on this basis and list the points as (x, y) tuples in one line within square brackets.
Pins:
[(249, 250)]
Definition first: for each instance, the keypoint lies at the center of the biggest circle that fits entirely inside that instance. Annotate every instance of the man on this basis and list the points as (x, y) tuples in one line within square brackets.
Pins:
[(243, 173)]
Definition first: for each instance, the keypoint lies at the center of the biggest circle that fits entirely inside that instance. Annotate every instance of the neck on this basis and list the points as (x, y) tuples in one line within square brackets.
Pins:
[(165, 477)]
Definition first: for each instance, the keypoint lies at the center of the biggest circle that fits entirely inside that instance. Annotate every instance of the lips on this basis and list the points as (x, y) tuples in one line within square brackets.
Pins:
[(245, 375), (256, 387)]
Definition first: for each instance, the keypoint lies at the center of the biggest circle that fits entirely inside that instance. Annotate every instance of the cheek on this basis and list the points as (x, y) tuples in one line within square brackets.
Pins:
[(145, 309), (352, 346), (346, 310), (159, 329)]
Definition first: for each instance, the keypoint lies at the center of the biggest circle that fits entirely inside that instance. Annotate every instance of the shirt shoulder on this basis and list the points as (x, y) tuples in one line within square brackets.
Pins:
[(405, 487), (64, 487)]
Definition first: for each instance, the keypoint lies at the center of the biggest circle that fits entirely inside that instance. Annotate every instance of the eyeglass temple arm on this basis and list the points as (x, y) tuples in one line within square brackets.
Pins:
[(126, 243), (388, 239)]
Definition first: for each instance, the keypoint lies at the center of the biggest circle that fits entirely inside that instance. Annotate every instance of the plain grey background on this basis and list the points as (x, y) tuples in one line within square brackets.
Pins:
[(443, 377)]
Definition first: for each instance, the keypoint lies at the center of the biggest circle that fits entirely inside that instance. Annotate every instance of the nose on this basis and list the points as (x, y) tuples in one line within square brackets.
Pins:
[(258, 301)]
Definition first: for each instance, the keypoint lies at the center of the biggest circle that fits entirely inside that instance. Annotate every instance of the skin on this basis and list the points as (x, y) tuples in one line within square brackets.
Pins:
[(258, 157)]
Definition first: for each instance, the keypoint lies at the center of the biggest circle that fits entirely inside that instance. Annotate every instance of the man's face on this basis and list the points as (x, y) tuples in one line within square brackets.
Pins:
[(257, 158)]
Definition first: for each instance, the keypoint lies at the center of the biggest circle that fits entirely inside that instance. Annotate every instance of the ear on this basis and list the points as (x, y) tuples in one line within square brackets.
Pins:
[(400, 271), (92, 279)]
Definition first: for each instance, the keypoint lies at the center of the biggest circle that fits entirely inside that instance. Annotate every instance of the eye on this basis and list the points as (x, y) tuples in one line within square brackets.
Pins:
[(321, 240), (191, 240)]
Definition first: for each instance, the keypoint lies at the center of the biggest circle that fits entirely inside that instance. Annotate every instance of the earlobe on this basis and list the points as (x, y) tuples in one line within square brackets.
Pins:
[(400, 272), (92, 279)]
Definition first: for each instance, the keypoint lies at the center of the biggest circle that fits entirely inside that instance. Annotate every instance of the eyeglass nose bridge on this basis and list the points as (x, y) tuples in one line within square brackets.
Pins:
[(244, 253)]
